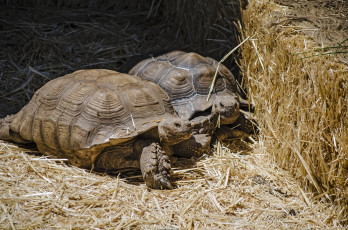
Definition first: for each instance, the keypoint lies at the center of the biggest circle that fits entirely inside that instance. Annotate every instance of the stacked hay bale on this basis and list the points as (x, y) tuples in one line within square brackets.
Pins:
[(301, 104)]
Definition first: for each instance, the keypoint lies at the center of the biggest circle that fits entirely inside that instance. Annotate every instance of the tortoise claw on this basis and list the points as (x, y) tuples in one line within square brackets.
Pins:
[(165, 184)]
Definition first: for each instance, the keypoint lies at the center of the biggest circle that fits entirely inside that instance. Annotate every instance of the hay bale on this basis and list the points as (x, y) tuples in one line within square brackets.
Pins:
[(301, 104)]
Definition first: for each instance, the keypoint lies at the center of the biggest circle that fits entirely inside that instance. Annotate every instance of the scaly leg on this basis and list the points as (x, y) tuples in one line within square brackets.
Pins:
[(115, 158), (246, 123), (6, 133), (242, 127), (196, 146), (155, 167)]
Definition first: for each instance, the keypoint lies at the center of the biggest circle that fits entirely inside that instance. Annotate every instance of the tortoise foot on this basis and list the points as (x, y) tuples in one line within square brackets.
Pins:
[(155, 167)]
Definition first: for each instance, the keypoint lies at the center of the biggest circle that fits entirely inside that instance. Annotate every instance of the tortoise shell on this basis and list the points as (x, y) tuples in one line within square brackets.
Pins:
[(77, 115), (187, 77)]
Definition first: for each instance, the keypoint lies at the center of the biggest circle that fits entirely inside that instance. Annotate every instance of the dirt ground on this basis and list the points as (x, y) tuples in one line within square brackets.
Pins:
[(326, 21)]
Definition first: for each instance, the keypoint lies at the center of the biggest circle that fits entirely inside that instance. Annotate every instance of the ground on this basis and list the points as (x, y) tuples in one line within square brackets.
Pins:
[(236, 187), (239, 186)]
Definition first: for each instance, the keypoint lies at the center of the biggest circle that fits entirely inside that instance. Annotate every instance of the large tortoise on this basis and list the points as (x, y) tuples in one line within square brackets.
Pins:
[(187, 78), (103, 120)]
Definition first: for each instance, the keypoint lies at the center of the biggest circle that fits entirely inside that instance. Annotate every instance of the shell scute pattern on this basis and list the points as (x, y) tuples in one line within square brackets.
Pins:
[(178, 85), (187, 78), (159, 69), (188, 60), (83, 109), (102, 120)]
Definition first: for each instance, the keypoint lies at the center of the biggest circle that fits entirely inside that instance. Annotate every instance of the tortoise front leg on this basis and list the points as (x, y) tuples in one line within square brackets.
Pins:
[(242, 127), (196, 146), (115, 158), (155, 167), (246, 123)]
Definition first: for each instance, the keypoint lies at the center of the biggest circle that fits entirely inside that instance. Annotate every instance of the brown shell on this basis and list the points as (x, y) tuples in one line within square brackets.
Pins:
[(77, 115), (187, 77)]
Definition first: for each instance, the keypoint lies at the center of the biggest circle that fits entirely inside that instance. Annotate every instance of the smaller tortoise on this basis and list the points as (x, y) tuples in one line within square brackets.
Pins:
[(103, 120), (187, 78)]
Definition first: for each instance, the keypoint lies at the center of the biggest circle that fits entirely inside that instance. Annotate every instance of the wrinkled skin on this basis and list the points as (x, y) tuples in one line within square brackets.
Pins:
[(186, 77), (150, 156)]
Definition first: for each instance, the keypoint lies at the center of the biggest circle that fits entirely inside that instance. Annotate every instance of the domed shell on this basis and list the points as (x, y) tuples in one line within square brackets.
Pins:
[(187, 77), (77, 115)]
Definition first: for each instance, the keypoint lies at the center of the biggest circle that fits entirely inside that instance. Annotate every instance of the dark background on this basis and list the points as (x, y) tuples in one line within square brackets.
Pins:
[(41, 40)]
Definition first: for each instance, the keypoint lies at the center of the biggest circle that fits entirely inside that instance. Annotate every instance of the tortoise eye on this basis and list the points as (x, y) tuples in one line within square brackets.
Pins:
[(177, 125)]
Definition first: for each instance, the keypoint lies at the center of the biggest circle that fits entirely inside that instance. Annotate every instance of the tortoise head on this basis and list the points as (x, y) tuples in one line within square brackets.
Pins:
[(227, 106), (174, 130)]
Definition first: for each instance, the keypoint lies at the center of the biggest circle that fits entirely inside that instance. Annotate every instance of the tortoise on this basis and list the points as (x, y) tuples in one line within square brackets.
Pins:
[(102, 120), (187, 77)]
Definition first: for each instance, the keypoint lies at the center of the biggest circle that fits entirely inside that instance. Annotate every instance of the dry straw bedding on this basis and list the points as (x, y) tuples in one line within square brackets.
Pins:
[(228, 190), (238, 186)]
